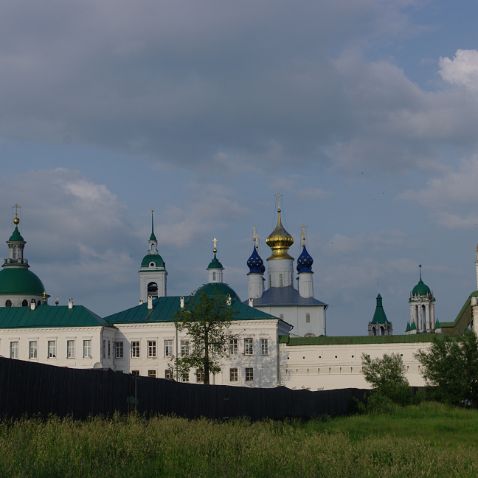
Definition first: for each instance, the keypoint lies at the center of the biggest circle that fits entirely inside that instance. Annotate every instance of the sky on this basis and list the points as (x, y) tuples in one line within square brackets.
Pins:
[(362, 114)]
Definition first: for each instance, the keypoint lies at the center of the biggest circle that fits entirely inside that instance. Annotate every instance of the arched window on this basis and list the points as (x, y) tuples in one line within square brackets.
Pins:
[(25, 303), (153, 289), (382, 331), (213, 275), (374, 331), (8, 303)]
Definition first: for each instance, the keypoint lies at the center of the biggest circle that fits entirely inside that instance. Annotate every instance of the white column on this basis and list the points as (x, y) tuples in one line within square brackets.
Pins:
[(306, 284), (255, 285)]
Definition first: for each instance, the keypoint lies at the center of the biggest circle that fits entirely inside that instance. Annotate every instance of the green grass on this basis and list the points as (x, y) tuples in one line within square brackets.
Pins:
[(428, 440)]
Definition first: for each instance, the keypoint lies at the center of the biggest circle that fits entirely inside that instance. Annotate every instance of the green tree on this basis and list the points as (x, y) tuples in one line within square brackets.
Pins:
[(387, 377), (452, 366), (206, 321)]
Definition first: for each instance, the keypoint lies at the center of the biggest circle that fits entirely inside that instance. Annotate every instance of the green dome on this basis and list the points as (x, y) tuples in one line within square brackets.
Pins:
[(421, 289), (20, 281), (155, 258), (16, 236), (215, 264), (215, 289)]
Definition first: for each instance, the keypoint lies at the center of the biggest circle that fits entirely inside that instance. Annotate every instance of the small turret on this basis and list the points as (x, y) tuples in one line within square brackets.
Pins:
[(215, 268), (256, 270), (379, 325), (422, 307)]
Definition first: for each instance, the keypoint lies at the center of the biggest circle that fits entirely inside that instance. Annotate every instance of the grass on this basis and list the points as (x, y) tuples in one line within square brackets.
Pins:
[(428, 440)]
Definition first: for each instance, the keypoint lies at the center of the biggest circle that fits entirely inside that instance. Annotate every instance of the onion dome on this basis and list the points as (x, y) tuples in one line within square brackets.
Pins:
[(20, 281), (215, 264), (218, 289), (279, 240), (304, 262), (379, 317), (255, 263)]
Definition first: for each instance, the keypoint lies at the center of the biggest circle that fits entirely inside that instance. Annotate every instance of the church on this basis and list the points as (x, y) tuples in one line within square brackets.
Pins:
[(279, 329)]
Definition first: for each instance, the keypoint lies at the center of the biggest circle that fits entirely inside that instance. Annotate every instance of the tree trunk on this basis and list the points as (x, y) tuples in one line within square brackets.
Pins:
[(206, 357)]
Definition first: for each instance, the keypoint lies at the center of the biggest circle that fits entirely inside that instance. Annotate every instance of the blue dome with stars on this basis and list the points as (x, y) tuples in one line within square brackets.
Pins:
[(304, 262), (255, 263)]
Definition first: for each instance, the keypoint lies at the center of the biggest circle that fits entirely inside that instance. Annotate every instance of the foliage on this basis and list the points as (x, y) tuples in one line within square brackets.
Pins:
[(387, 377), (452, 366), (430, 440), (206, 321)]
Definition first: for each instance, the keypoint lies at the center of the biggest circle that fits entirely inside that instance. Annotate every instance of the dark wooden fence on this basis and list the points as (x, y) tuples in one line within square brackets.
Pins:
[(30, 389)]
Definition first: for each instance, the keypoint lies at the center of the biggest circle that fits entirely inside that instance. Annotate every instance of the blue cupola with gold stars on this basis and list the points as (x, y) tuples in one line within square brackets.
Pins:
[(256, 270), (305, 261), (304, 268)]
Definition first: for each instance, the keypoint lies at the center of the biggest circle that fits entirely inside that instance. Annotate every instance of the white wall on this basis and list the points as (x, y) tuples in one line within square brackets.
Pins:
[(326, 367)]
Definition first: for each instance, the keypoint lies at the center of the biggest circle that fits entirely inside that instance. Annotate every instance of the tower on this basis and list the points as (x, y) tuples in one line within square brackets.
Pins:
[(215, 268), (255, 276), (304, 268), (152, 273), (422, 308), (380, 325), (19, 287), (280, 263)]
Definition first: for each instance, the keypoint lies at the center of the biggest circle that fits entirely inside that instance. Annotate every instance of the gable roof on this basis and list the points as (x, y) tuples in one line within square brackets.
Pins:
[(165, 310), (46, 316)]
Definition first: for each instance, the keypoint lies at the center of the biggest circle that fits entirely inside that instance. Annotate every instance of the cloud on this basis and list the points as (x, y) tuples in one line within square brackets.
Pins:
[(461, 70)]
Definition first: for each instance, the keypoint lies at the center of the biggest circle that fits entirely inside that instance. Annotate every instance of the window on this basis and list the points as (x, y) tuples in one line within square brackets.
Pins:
[(109, 349), (152, 373), (184, 377), (87, 348), (118, 349), (25, 303), (14, 350), (184, 348), (104, 348), (248, 347), (168, 348), (168, 374), (8, 303), (135, 349), (249, 374), (307, 318), (32, 349), (199, 376), (151, 348), (70, 349), (52, 349), (232, 346), (264, 347), (233, 375), (213, 276), (135, 372)]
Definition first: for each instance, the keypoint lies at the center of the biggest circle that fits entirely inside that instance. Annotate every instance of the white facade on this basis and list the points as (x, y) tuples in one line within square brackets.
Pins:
[(327, 367), (75, 347)]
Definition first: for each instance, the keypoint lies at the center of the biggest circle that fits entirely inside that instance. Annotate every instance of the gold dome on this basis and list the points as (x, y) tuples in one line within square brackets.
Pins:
[(279, 240)]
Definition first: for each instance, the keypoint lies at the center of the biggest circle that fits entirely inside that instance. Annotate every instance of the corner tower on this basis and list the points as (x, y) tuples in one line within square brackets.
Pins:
[(19, 287), (152, 273), (379, 325)]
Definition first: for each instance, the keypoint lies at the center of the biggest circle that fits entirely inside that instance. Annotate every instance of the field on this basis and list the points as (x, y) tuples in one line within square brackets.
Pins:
[(427, 440)]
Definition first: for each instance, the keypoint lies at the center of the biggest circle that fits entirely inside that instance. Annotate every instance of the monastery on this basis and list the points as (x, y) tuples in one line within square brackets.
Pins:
[(279, 329)]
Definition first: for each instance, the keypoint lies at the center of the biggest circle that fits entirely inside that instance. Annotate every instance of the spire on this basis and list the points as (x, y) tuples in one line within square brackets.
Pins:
[(420, 268), (152, 237), (421, 289), (379, 317)]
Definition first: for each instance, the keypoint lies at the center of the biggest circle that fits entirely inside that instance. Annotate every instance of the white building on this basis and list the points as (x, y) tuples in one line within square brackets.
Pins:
[(144, 339)]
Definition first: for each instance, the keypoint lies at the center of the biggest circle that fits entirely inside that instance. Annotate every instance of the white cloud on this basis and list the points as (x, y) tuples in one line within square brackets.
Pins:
[(461, 70)]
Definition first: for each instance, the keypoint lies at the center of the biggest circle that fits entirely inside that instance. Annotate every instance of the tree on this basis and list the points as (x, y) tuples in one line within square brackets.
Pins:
[(387, 377), (452, 366), (206, 320)]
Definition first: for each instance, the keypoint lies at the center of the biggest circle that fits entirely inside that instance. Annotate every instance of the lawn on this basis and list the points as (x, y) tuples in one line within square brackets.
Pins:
[(428, 440)]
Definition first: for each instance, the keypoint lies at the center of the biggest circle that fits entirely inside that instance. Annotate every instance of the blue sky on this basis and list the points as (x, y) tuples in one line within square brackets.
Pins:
[(363, 115)]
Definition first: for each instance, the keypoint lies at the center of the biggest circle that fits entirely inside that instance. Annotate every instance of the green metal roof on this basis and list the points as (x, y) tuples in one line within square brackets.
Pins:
[(156, 258), (215, 264), (421, 289), (379, 317), (16, 236), (165, 310), (20, 281), (47, 316), (359, 340), (462, 320)]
